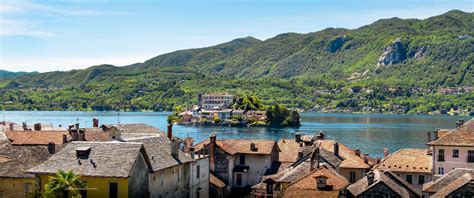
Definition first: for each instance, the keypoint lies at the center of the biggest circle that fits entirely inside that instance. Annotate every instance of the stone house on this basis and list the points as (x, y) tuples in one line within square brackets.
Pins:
[(413, 165), (324, 181), (14, 164), (239, 163), (382, 184), (109, 169), (454, 149), (457, 183)]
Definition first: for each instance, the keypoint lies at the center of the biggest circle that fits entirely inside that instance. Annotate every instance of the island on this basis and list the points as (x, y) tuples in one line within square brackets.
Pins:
[(223, 109)]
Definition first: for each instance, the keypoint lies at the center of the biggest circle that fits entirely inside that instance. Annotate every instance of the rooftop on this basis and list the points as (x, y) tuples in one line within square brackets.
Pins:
[(450, 182), (16, 160), (158, 149), (306, 186), (216, 181), (350, 158), (242, 146), (460, 136), (106, 159), (407, 160), (36, 137)]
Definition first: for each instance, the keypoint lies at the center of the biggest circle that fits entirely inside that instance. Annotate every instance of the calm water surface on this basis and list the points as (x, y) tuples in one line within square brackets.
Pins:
[(368, 132)]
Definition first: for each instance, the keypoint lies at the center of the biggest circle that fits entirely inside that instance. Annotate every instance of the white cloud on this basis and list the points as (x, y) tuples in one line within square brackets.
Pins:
[(14, 27), (68, 63)]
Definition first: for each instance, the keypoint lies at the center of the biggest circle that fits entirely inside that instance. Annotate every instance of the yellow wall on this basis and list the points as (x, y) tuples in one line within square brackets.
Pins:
[(101, 185), (346, 173), (15, 187)]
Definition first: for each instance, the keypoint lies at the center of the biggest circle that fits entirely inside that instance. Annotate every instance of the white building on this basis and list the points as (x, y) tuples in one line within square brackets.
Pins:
[(215, 101), (455, 149)]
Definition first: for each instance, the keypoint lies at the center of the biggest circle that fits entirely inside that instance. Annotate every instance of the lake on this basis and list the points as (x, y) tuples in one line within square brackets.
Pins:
[(368, 132)]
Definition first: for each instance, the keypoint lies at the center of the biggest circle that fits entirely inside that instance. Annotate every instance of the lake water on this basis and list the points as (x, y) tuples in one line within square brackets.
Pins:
[(368, 132)]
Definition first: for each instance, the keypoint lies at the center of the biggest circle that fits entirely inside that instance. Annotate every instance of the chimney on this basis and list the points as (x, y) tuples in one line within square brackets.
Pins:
[(336, 148), (321, 135), (298, 138), (429, 136), (81, 135), (191, 152), (385, 152), (366, 158), (379, 159), (51, 148), (300, 154), (170, 131), (23, 124), (459, 123), (370, 178), (212, 146), (174, 148), (357, 152), (11, 126), (314, 160), (253, 147), (64, 138), (77, 125), (37, 127), (95, 122), (436, 135), (73, 133)]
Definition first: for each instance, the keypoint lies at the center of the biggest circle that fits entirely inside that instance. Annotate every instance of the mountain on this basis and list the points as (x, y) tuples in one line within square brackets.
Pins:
[(403, 54), (7, 74)]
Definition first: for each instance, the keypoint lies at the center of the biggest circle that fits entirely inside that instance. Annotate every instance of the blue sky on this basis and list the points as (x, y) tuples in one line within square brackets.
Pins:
[(72, 34)]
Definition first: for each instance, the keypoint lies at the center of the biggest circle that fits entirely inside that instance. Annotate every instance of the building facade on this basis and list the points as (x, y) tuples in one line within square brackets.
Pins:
[(215, 101)]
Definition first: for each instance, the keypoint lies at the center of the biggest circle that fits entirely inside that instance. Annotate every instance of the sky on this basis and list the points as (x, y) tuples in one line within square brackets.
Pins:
[(74, 34)]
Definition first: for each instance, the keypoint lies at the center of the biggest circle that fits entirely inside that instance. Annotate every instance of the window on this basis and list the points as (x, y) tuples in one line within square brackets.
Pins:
[(410, 179), (440, 170), (470, 156), (352, 176), (440, 155), (455, 153), (162, 180), (113, 190), (239, 180), (198, 171), (197, 194), (421, 179), (242, 160), (179, 174)]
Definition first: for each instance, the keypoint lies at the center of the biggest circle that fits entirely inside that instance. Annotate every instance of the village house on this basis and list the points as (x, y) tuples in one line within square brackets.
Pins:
[(382, 184), (457, 183), (239, 163), (14, 162), (215, 101), (454, 149), (413, 165), (321, 182), (125, 131), (109, 169)]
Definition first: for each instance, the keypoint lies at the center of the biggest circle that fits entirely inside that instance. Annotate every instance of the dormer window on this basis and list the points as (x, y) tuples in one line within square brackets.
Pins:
[(321, 183), (83, 152)]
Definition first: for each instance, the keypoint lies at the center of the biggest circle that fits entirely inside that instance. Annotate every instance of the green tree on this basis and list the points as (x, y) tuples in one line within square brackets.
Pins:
[(63, 184)]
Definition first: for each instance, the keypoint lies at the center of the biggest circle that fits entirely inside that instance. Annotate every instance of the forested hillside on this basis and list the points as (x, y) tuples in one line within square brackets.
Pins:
[(390, 65)]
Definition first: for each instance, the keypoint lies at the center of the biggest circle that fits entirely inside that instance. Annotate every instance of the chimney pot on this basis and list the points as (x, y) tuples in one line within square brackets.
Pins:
[(11, 126), (385, 152), (170, 131), (336, 148), (370, 178), (174, 148), (95, 122), (298, 138), (64, 138), (51, 147), (357, 152), (253, 147), (212, 146)]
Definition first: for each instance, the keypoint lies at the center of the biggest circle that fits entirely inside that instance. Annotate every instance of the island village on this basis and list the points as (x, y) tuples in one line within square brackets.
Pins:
[(138, 160)]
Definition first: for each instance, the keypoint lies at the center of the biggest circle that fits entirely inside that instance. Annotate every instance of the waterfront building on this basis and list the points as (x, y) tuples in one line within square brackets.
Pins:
[(382, 184), (215, 101), (14, 164), (240, 163), (413, 165), (109, 169), (454, 149), (457, 183)]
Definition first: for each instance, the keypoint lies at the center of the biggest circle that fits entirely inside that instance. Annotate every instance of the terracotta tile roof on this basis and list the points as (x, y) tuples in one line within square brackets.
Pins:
[(242, 146), (216, 181), (361, 186), (442, 132), (111, 159), (133, 128), (407, 160), (351, 160), (461, 136), (289, 150), (306, 186), (16, 160), (96, 134), (35, 137), (449, 182)]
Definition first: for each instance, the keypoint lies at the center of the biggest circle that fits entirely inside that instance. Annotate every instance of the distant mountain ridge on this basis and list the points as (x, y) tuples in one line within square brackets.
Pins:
[(6, 74), (430, 53)]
